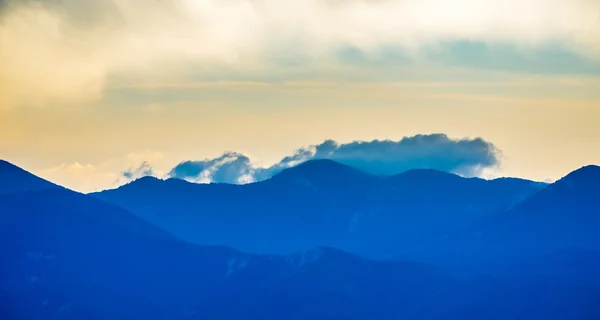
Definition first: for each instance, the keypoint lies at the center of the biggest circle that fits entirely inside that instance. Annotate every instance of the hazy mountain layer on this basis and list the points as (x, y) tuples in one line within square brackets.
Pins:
[(322, 202)]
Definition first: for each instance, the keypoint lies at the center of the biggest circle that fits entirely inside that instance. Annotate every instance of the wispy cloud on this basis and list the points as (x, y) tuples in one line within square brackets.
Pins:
[(143, 170)]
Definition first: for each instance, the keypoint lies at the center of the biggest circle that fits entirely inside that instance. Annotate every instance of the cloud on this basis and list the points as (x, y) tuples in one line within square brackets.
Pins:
[(64, 51), (231, 167), (142, 171), (468, 157)]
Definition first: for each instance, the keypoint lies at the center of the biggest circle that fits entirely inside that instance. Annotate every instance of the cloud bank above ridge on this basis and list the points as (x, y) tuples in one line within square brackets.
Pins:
[(65, 51), (382, 157)]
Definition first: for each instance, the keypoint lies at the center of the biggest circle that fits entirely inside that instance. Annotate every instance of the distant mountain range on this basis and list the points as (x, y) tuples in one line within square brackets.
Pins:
[(322, 202), (65, 255)]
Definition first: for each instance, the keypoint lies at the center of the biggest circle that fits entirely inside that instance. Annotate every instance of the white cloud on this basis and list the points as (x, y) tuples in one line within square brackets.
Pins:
[(63, 51)]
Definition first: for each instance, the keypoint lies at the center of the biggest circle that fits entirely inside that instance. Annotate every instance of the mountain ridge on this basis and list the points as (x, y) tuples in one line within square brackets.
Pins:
[(320, 202), (315, 166), (14, 179), (55, 266), (66, 255), (72, 256)]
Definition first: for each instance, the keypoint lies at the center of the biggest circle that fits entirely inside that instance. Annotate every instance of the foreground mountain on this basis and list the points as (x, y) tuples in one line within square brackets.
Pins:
[(14, 179), (322, 202), (69, 256)]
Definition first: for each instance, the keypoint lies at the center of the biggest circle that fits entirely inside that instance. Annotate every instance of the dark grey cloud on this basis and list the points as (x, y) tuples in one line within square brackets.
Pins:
[(382, 157)]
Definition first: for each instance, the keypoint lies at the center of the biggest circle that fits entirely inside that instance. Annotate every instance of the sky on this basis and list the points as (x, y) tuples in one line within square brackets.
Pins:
[(96, 93)]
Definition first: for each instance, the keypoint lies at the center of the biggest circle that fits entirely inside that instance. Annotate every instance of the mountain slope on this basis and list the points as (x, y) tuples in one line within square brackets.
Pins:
[(565, 213), (321, 202), (568, 209), (56, 209), (575, 195), (563, 217), (64, 257), (67, 256), (14, 179)]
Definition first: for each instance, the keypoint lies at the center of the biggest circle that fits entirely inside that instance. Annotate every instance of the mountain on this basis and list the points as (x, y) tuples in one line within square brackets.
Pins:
[(564, 217), (64, 260), (14, 179), (574, 196), (419, 210), (65, 255), (567, 213), (322, 202), (324, 173)]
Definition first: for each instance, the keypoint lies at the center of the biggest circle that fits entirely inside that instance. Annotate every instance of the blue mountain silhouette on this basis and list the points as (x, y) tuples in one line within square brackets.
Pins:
[(560, 221), (70, 256), (322, 202), (14, 179)]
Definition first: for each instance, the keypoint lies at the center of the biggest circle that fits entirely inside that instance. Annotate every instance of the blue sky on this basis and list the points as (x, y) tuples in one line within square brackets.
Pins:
[(89, 90)]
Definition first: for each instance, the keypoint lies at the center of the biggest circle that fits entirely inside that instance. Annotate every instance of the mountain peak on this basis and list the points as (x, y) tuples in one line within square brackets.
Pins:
[(587, 177), (322, 170), (143, 183), (585, 171), (321, 164), (575, 193), (14, 179), (147, 179)]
